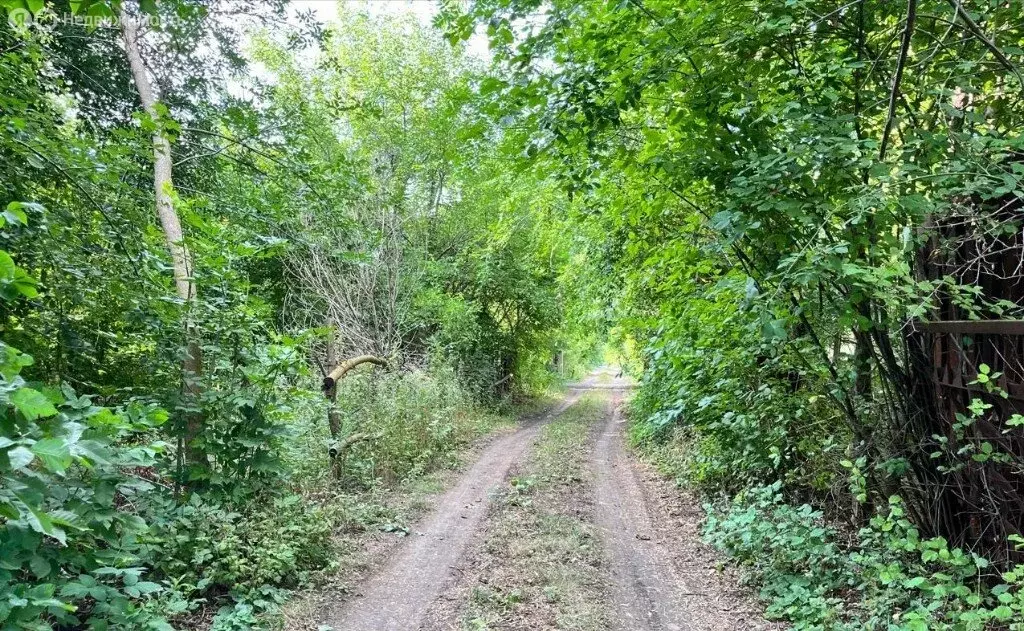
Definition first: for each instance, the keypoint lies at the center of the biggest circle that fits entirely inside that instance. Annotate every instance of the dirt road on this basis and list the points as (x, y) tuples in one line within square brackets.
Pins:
[(644, 568), (662, 576), (397, 597)]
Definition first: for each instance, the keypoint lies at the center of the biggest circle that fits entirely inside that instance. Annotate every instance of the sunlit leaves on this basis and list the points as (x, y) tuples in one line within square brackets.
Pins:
[(32, 403)]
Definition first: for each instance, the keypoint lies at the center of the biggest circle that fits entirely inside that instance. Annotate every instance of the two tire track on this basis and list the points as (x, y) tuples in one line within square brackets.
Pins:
[(659, 575), (398, 596)]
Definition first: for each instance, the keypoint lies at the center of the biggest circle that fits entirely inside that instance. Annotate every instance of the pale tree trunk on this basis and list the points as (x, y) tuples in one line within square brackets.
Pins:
[(181, 259)]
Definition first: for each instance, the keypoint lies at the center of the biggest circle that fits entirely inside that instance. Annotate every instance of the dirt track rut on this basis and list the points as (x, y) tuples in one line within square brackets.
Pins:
[(647, 592), (662, 576), (397, 597), (659, 575)]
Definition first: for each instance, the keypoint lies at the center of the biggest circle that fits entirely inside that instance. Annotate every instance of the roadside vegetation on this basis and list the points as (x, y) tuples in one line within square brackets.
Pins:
[(207, 208), (797, 222)]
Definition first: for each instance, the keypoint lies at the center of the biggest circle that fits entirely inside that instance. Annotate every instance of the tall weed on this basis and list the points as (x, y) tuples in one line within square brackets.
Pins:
[(409, 423)]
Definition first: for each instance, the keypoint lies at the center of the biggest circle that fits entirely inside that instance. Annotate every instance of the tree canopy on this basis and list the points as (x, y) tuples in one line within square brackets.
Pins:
[(778, 214)]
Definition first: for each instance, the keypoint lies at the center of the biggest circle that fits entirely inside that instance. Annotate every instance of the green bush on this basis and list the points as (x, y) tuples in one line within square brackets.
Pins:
[(714, 382), (884, 577), (71, 474), (90, 535), (206, 547)]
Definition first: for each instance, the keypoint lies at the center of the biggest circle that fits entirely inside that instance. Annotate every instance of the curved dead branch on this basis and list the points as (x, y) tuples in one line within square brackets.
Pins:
[(338, 450), (339, 372), (341, 446)]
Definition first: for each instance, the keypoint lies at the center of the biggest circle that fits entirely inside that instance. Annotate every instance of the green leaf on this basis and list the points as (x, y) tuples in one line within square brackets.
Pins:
[(146, 587), (7, 266), (1002, 613), (14, 213), (7, 510), (24, 284), (914, 582), (74, 590), (39, 566), (32, 404), (55, 454), (39, 520), (491, 85), (20, 457)]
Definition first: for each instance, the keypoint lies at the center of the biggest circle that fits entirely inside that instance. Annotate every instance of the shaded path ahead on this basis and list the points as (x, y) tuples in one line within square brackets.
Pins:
[(659, 576), (397, 597)]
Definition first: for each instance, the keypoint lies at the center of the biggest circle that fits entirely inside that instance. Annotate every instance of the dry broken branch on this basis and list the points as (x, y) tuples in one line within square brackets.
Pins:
[(332, 379)]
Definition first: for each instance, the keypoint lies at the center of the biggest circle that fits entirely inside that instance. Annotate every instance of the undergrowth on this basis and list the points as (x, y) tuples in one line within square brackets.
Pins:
[(816, 573), (821, 528), (413, 422), (885, 577)]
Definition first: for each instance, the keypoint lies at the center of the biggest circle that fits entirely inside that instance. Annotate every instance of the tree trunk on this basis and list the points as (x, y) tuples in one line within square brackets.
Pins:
[(338, 449), (181, 259), (862, 365), (331, 391)]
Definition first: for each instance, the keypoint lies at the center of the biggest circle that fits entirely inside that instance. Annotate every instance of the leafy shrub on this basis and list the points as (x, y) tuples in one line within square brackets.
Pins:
[(714, 382), (77, 479), (885, 577), (71, 474), (247, 409), (206, 547)]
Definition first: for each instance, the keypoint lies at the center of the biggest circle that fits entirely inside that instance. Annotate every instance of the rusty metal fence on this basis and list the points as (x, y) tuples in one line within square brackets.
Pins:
[(981, 496), (978, 499)]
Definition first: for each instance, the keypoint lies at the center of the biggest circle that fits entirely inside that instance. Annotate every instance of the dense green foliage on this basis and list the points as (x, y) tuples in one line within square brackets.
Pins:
[(773, 195), (889, 577), (68, 478), (165, 456), (757, 203)]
